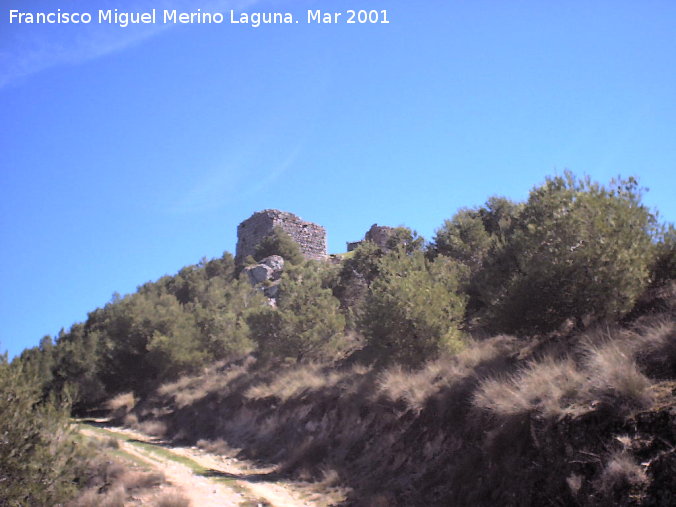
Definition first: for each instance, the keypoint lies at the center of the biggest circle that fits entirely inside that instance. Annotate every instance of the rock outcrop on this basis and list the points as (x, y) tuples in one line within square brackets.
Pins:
[(266, 275)]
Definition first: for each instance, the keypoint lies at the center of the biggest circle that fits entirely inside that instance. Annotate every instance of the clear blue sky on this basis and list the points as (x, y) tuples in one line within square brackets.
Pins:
[(128, 153)]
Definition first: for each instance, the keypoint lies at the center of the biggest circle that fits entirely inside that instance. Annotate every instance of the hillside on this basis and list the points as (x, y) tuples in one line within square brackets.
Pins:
[(525, 355), (571, 418)]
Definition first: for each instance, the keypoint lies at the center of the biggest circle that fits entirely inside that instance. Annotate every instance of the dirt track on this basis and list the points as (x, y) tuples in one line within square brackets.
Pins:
[(210, 480)]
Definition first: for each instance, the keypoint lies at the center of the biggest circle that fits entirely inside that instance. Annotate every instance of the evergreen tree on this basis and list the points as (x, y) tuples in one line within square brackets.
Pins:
[(278, 242), (307, 323), (578, 250), (38, 457), (413, 310)]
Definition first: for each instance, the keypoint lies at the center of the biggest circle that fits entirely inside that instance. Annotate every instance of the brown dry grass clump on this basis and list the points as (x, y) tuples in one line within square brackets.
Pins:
[(655, 347), (615, 379), (549, 387), (296, 381), (416, 387), (220, 377), (620, 471), (173, 499), (121, 405), (113, 497), (601, 371), (110, 483)]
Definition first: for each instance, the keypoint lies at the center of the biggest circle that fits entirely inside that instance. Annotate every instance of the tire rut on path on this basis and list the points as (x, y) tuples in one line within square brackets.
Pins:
[(210, 480)]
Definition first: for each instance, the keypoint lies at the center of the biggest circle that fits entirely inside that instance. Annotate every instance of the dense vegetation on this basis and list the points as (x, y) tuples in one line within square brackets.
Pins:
[(573, 254), (39, 462)]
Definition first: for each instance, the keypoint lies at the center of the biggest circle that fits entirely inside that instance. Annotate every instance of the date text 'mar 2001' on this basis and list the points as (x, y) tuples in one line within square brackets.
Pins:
[(317, 16)]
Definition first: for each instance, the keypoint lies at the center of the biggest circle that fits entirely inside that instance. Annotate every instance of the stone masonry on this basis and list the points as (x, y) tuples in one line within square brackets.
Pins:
[(311, 238), (378, 234)]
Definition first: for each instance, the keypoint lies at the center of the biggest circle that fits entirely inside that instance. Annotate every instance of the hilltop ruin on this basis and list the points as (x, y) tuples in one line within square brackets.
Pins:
[(310, 237)]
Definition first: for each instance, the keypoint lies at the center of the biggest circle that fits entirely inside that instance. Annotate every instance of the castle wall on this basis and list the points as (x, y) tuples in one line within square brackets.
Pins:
[(379, 234), (310, 237)]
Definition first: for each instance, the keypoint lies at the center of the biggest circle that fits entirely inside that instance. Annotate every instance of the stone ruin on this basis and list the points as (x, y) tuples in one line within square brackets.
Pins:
[(378, 234), (310, 237)]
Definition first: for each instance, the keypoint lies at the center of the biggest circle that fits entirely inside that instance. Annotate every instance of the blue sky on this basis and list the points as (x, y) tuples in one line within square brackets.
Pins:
[(126, 154)]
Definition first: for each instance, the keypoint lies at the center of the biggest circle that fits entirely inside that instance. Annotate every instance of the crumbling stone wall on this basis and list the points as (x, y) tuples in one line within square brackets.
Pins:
[(310, 237), (353, 245), (378, 234)]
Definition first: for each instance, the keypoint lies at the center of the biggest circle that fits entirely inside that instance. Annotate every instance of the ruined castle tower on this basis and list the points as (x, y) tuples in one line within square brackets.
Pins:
[(378, 234), (311, 238)]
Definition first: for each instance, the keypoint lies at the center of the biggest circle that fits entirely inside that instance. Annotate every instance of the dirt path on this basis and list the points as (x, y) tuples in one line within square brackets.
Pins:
[(210, 480)]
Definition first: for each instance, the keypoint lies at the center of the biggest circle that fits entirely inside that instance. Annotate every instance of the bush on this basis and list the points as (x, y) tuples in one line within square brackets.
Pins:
[(663, 267), (578, 250), (413, 310), (405, 238), (307, 323), (278, 242), (38, 457), (470, 235)]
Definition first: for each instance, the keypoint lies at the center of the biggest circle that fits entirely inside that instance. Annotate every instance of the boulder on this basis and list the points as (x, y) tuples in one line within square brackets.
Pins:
[(276, 263), (271, 291), (259, 273)]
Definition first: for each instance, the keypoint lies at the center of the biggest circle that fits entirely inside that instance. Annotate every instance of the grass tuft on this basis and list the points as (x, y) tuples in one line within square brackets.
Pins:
[(619, 472), (550, 387), (614, 377), (416, 387), (173, 499)]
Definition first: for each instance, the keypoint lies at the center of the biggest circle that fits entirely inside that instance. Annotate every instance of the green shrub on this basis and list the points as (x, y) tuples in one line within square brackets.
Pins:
[(471, 235), (413, 310), (362, 267), (38, 458), (278, 242), (578, 250), (663, 267), (405, 238), (307, 323), (355, 277)]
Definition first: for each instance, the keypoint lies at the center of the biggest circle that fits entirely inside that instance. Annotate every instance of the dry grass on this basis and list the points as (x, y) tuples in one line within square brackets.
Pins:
[(416, 387), (130, 420), (549, 387), (112, 497), (298, 380), (655, 347), (138, 479), (601, 370), (111, 483), (187, 390), (153, 428), (620, 471), (121, 405), (327, 490), (218, 446), (614, 377), (173, 499)]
